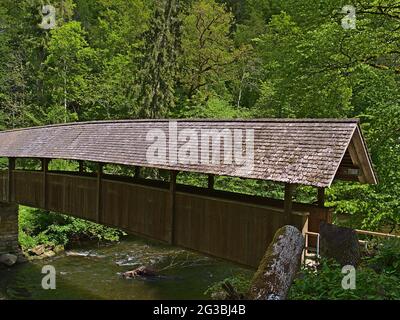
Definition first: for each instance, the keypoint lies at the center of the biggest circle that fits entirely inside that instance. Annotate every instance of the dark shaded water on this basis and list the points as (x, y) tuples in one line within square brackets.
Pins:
[(94, 272)]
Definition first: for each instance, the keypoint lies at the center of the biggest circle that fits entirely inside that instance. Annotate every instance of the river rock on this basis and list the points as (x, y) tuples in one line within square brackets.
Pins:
[(38, 250), (8, 259), (340, 244), (58, 249), (279, 266), (44, 251), (48, 254)]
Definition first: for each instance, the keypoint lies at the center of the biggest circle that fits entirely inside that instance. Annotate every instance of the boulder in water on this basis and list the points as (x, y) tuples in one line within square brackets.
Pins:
[(8, 259), (143, 272)]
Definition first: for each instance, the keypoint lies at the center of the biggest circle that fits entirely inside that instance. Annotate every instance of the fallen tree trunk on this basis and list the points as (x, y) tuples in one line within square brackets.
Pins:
[(279, 266)]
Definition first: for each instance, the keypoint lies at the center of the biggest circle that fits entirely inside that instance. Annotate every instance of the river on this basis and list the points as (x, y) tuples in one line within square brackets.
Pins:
[(93, 271)]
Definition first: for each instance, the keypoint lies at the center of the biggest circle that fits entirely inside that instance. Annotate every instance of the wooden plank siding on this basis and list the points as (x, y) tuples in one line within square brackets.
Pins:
[(236, 231), (72, 195), (138, 209), (215, 225), (28, 188), (4, 186)]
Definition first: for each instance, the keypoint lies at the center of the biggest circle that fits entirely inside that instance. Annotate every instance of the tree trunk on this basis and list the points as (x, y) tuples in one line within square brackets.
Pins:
[(279, 266)]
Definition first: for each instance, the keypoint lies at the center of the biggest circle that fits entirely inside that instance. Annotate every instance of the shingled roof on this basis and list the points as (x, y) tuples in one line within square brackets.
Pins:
[(310, 152)]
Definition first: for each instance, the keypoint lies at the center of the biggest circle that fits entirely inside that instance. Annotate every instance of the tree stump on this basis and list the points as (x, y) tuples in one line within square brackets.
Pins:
[(279, 266)]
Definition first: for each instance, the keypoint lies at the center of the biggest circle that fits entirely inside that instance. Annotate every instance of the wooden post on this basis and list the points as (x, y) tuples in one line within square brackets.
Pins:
[(99, 191), (172, 194), (211, 181), (321, 197), (288, 202), (137, 173), (324, 214), (11, 168), (81, 167), (45, 169)]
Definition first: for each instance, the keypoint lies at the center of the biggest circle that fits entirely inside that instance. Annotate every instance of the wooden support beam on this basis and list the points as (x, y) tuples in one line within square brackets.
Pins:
[(81, 167), (288, 202), (45, 164), (137, 173), (99, 192), (359, 156), (172, 195), (11, 168), (45, 169), (321, 197), (211, 181)]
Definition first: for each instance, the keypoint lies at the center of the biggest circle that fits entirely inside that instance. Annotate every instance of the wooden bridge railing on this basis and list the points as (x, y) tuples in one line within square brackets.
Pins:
[(233, 227)]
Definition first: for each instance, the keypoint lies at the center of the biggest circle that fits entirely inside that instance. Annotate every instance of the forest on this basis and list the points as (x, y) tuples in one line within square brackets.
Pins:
[(130, 59)]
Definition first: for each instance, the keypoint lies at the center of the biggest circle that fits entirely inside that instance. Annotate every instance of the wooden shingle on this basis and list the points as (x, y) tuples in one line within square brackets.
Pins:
[(310, 152)]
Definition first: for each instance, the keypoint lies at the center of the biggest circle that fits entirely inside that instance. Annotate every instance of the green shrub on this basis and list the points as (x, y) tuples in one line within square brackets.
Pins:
[(387, 258), (240, 282), (41, 227), (325, 283)]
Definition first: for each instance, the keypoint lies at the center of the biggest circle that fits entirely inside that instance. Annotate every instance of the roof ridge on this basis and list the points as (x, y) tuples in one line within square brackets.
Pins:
[(257, 120)]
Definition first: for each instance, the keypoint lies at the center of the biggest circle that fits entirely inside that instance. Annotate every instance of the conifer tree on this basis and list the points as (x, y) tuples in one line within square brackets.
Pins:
[(158, 75)]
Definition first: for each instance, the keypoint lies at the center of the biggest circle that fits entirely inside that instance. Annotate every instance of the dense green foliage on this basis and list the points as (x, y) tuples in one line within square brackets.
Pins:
[(325, 284), (39, 227), (240, 282), (387, 258), (114, 59), (376, 279)]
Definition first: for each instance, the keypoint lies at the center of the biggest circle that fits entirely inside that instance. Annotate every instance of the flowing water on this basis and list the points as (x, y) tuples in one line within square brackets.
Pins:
[(93, 271)]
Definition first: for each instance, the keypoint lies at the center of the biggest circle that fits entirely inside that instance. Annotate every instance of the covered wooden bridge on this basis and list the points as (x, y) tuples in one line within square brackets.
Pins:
[(228, 225)]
